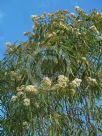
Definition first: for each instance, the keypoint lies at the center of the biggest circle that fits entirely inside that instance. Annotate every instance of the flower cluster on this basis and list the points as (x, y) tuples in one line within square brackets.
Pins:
[(27, 89), (26, 102), (31, 89), (62, 81), (15, 76), (19, 94), (13, 98), (76, 83), (25, 124)]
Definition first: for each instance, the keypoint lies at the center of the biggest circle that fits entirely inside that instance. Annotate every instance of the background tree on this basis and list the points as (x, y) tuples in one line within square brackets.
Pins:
[(51, 85)]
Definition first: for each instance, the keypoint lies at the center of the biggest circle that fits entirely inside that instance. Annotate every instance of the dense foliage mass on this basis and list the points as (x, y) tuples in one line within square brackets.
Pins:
[(51, 85)]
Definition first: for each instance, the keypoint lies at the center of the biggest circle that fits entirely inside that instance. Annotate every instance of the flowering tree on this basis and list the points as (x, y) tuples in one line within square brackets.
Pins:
[(51, 85)]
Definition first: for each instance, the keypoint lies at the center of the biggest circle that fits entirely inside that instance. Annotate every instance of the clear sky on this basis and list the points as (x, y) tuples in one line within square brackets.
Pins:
[(15, 15)]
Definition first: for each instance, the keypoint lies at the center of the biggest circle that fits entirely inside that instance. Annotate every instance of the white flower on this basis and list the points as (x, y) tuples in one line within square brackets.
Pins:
[(31, 88), (25, 124), (62, 80), (46, 83), (20, 94), (76, 82), (26, 102), (13, 98)]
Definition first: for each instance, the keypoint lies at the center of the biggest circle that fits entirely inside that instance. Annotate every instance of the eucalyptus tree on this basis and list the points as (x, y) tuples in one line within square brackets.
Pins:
[(51, 85)]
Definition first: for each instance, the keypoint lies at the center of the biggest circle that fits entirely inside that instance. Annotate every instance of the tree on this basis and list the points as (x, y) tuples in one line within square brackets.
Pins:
[(51, 85)]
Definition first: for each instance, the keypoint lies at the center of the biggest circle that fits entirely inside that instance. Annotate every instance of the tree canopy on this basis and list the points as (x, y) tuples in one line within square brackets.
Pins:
[(51, 84)]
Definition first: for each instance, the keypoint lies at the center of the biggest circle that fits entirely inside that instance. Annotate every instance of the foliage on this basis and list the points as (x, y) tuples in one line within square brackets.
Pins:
[(52, 83)]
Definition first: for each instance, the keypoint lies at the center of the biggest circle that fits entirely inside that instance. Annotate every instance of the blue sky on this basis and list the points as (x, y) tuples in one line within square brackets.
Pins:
[(15, 15)]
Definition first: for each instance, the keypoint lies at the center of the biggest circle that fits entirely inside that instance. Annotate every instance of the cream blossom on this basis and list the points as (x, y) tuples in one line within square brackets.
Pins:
[(76, 82), (62, 81), (62, 78), (25, 124), (31, 88), (13, 98), (20, 94), (26, 102)]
